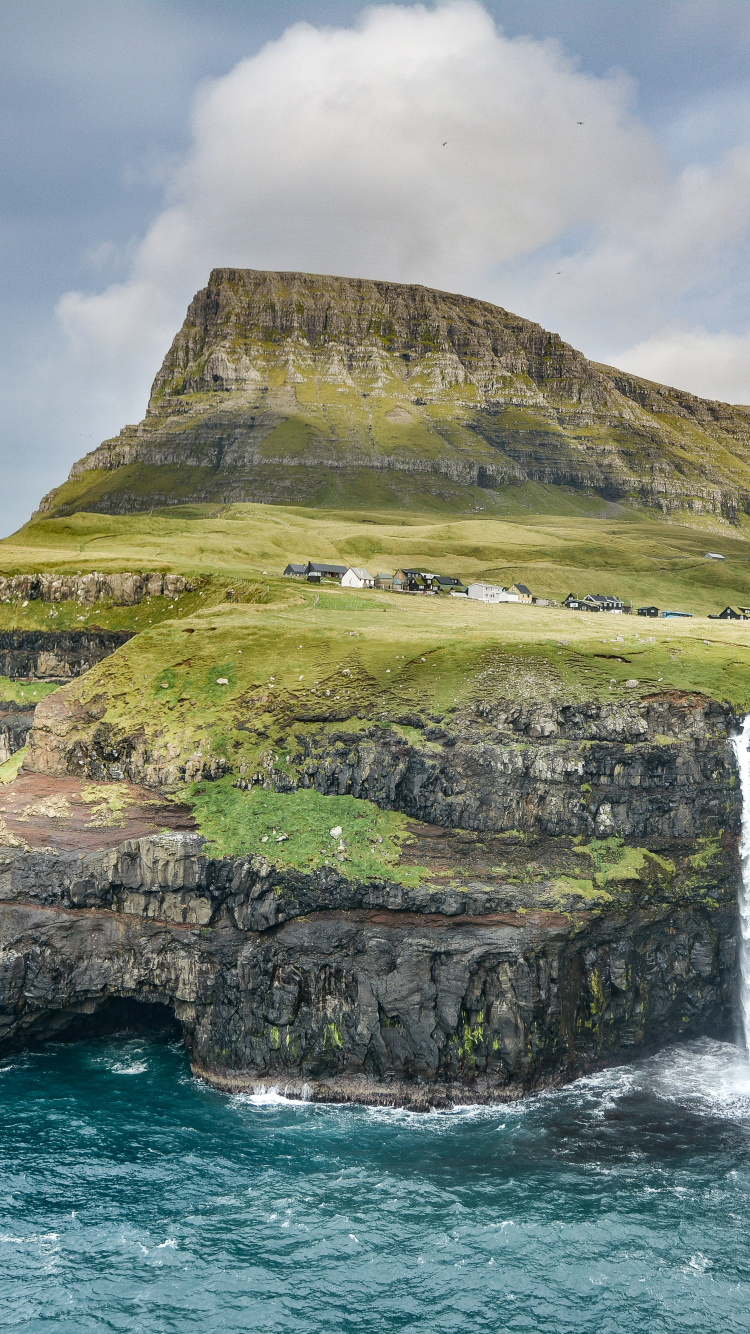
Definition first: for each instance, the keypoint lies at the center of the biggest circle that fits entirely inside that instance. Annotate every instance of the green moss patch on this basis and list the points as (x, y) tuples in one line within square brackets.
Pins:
[(108, 804), (25, 692), (9, 770), (565, 887), (710, 853), (304, 829), (616, 863)]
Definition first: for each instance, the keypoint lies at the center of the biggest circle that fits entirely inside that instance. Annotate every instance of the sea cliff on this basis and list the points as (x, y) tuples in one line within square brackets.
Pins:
[(575, 904)]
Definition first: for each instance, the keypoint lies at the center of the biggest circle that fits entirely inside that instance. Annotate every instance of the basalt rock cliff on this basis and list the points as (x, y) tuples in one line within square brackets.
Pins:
[(297, 388), (579, 906), (345, 991), (56, 655)]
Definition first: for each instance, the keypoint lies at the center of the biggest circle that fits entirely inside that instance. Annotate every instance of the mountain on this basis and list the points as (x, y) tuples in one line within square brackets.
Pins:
[(295, 388)]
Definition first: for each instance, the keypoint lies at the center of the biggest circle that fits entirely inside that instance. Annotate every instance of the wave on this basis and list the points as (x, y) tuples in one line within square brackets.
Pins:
[(705, 1076)]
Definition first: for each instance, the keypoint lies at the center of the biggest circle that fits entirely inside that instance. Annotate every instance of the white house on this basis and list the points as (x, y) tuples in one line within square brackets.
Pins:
[(491, 593), (356, 578)]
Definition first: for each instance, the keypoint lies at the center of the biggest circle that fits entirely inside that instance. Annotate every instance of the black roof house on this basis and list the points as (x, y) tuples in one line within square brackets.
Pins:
[(423, 581), (446, 582), (315, 570), (606, 601), (580, 604), (328, 571)]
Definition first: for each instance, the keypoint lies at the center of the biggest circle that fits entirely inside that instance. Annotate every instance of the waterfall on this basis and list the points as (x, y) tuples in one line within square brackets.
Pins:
[(741, 744)]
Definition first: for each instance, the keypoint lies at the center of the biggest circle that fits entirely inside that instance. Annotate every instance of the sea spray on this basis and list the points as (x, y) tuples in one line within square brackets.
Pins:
[(741, 745)]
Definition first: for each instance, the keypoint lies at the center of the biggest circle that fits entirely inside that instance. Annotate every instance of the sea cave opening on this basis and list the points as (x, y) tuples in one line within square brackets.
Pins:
[(113, 1016), (123, 1015)]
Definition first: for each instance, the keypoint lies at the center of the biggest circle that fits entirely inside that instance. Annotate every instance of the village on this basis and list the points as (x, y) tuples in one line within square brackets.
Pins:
[(428, 583)]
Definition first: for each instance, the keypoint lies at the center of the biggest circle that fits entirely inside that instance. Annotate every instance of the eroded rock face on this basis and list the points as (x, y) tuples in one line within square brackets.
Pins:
[(15, 724), (56, 655), (658, 767), (124, 590), (373, 992), (425, 393)]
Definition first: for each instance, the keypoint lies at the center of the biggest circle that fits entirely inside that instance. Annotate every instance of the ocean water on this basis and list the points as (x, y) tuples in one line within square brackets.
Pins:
[(134, 1198)]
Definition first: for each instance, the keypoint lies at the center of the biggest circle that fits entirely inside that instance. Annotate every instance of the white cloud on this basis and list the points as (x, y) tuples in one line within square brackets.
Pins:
[(712, 365), (424, 145), (649, 258), (419, 145)]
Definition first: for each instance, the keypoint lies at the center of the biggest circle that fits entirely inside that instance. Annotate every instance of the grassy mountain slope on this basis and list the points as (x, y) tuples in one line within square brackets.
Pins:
[(246, 689), (340, 393)]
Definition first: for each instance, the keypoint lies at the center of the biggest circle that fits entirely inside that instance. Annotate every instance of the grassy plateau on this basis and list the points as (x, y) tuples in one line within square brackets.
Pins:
[(248, 665)]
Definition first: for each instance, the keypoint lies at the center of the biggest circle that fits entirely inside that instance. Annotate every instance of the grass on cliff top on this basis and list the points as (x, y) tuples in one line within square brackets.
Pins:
[(640, 558), (297, 830), (254, 683)]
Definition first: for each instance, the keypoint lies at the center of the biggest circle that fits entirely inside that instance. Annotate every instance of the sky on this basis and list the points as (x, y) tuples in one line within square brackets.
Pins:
[(584, 163)]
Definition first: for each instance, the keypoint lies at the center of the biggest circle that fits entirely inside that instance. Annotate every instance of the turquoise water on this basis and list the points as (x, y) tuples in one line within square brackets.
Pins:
[(134, 1198)]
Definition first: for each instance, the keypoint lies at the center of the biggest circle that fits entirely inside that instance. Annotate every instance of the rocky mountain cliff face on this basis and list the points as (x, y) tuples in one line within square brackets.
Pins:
[(657, 767), (297, 388), (124, 590), (44, 655)]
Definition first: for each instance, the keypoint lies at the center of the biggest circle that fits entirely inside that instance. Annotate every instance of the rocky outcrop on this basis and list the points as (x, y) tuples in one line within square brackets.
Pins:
[(658, 767), (15, 724), (57, 655), (124, 590), (369, 991), (290, 387)]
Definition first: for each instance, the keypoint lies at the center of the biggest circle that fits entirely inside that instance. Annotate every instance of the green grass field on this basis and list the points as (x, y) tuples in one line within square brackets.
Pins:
[(640, 558), (24, 692), (304, 829)]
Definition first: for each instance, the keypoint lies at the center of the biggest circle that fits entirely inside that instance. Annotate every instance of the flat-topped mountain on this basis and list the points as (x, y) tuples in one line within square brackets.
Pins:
[(341, 392)]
